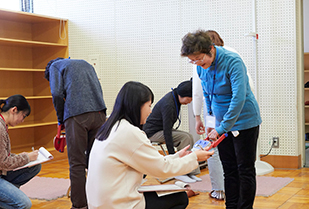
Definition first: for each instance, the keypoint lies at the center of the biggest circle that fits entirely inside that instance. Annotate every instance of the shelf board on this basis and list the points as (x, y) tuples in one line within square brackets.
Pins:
[(306, 123), (306, 106), (27, 43), (33, 124), (22, 69), (33, 97), (25, 17)]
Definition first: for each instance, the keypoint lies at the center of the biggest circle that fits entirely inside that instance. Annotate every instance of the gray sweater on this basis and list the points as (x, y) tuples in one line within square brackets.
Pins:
[(75, 88)]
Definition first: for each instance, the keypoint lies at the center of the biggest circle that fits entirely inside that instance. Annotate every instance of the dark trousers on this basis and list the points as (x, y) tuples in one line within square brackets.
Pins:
[(238, 155), (80, 134), (177, 200)]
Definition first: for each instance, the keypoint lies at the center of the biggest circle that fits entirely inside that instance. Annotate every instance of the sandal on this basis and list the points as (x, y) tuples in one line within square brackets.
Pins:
[(219, 195)]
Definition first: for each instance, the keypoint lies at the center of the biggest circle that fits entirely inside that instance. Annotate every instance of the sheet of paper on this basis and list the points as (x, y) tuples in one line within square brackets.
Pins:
[(43, 156)]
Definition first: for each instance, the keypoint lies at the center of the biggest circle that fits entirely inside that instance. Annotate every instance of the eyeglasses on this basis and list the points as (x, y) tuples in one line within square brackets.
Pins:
[(196, 61)]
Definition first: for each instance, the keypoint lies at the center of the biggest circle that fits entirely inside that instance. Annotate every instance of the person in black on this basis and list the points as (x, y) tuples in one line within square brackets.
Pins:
[(159, 126)]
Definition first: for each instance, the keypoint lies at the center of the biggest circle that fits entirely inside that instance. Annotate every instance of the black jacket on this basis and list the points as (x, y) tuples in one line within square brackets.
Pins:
[(163, 117)]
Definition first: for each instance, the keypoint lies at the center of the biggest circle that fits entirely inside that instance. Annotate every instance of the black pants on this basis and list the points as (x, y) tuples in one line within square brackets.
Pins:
[(177, 200), (238, 155)]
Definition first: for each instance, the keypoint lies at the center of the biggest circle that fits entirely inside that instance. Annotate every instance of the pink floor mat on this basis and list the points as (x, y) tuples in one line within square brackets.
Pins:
[(266, 185), (46, 188)]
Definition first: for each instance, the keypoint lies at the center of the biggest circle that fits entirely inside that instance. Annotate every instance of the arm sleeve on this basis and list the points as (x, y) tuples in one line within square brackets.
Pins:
[(237, 77), (168, 113), (10, 161), (57, 91), (197, 94), (147, 159)]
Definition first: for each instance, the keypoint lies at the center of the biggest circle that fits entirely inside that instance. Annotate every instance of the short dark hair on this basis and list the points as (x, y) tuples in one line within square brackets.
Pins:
[(18, 101), (196, 43), (131, 97), (184, 89), (48, 66)]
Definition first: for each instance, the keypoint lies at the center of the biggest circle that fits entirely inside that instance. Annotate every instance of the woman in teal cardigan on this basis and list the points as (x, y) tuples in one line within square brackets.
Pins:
[(232, 105)]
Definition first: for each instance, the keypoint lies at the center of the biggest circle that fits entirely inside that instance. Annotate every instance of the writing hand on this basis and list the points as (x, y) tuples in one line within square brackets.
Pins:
[(33, 155)]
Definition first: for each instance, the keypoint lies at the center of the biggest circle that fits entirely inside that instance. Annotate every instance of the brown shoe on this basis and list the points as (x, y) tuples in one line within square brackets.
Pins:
[(191, 193)]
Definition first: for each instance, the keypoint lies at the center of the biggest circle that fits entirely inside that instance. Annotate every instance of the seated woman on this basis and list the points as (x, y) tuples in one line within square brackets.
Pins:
[(122, 153), (14, 111)]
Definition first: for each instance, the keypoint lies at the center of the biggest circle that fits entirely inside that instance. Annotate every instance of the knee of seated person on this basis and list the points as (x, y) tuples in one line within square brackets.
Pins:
[(28, 204), (25, 203), (185, 200), (39, 167), (189, 139), (36, 169), (187, 136)]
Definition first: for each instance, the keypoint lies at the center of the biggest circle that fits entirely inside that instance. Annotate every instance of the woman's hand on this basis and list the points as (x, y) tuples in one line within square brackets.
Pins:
[(213, 135), (203, 155), (209, 130), (199, 127), (184, 151), (33, 155)]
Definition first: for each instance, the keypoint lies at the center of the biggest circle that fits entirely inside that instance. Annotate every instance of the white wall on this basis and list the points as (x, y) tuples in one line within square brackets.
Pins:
[(10, 5), (141, 39)]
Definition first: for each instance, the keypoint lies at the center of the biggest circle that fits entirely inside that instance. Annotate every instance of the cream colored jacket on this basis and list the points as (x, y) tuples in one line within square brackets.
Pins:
[(117, 165)]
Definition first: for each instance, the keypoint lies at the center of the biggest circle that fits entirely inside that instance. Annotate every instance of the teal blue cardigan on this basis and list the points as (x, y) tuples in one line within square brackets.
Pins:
[(233, 103)]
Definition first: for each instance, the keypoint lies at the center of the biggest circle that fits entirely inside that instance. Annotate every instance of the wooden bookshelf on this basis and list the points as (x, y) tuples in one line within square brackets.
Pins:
[(27, 43), (306, 90)]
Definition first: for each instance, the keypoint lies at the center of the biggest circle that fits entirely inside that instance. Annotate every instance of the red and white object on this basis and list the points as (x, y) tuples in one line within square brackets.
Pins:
[(60, 139)]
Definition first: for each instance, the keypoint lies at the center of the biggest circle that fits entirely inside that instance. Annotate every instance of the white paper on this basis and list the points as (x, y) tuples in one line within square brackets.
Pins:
[(210, 121), (43, 156), (178, 186)]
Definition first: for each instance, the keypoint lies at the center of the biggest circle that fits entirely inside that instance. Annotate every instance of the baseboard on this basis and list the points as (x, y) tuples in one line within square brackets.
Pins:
[(277, 161), (282, 161)]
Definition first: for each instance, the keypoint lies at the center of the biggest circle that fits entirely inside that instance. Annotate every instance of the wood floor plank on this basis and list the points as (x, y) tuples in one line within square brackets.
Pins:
[(294, 196)]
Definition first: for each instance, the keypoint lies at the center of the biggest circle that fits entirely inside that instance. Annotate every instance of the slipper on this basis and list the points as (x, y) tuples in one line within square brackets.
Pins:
[(219, 195), (191, 193), (185, 178), (194, 177)]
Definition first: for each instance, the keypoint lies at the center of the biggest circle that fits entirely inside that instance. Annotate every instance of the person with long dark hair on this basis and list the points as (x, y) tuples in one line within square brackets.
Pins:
[(13, 111), (122, 154)]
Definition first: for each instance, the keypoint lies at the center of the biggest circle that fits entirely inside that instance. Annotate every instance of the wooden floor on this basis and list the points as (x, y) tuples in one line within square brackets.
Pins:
[(293, 196)]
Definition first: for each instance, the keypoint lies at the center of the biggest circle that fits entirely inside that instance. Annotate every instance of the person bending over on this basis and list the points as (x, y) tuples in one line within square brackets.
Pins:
[(159, 126), (78, 101)]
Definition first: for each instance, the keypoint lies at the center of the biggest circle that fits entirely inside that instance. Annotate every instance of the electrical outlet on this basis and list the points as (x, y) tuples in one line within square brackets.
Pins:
[(94, 60), (276, 142)]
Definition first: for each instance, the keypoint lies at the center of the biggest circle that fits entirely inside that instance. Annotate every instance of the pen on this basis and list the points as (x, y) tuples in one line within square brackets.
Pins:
[(32, 148), (200, 147)]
